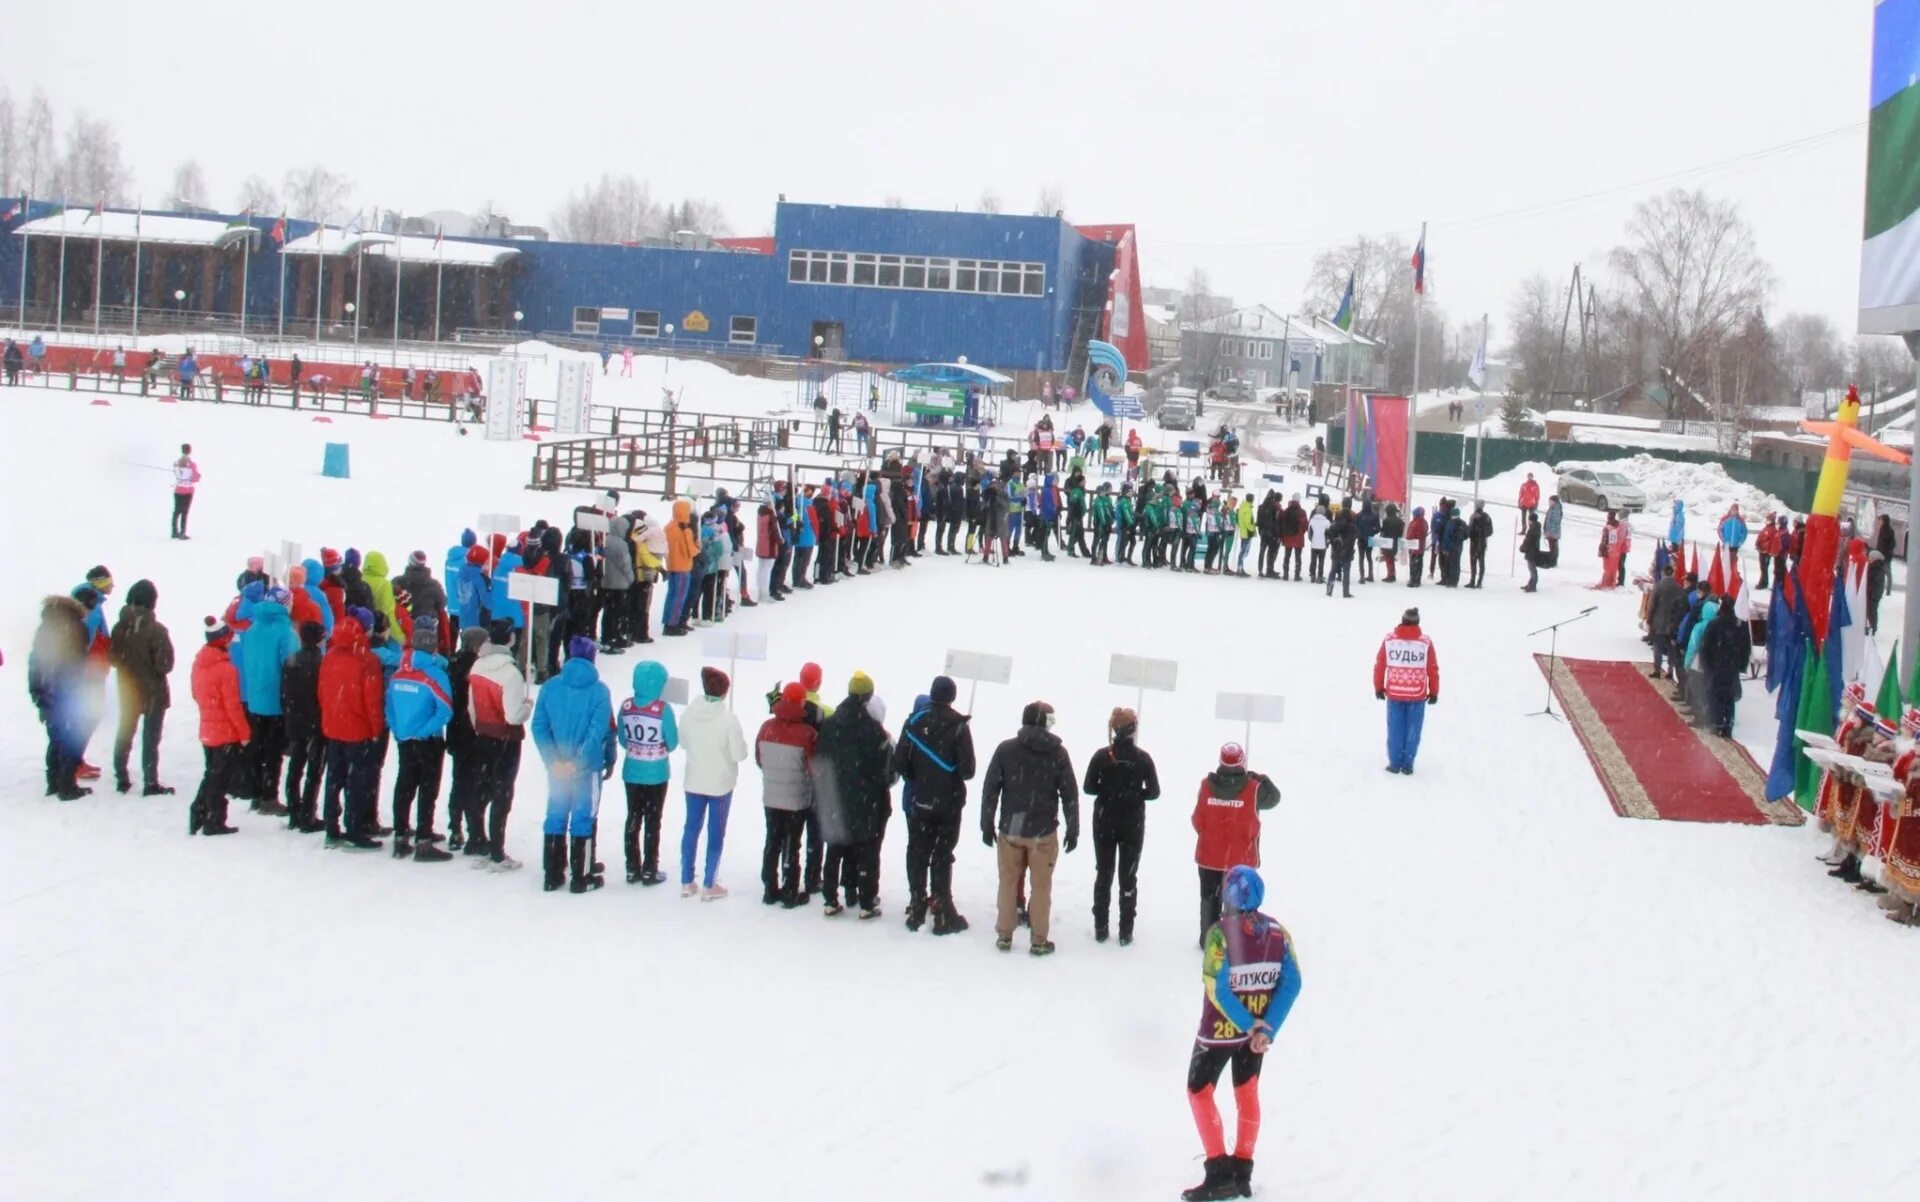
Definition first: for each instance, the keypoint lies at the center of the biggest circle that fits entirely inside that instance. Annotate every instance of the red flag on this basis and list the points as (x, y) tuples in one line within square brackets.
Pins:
[(439, 235), (280, 231), (99, 206), (1717, 581), (13, 210)]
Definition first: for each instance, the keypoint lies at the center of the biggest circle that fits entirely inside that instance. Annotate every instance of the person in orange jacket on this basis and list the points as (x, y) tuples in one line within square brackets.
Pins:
[(224, 729), (1529, 498), (683, 547)]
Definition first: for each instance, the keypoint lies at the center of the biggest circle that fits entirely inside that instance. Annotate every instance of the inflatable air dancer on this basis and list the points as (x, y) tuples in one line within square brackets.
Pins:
[(1822, 547), (1251, 980)]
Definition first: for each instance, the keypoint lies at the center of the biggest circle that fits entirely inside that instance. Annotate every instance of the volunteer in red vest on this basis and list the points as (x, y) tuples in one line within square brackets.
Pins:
[(1529, 497), (1406, 675), (1226, 816)]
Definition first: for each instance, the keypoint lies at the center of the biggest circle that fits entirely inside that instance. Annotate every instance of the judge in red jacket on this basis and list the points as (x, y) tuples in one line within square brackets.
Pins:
[(224, 729), (353, 719), (1529, 498), (1226, 816), (1406, 675)]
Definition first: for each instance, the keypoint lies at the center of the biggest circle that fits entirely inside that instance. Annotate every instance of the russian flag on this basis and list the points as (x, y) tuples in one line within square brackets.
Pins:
[(1420, 264)]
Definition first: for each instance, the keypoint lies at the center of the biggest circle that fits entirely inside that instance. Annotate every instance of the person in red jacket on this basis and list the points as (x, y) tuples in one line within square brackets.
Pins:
[(1416, 546), (1529, 498), (1406, 675), (331, 586), (353, 721), (1226, 816), (224, 730)]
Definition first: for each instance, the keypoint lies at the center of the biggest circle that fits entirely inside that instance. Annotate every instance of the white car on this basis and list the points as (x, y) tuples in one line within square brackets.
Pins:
[(1602, 490)]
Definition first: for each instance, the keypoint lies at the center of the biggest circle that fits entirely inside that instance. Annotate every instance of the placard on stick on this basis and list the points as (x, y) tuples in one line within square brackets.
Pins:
[(530, 590), (677, 690), (499, 523), (733, 647), (290, 555), (976, 666), (1140, 673), (593, 523), (1248, 708)]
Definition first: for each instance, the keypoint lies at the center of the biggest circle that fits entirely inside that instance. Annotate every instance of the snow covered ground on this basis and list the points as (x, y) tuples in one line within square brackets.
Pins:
[(1509, 992)]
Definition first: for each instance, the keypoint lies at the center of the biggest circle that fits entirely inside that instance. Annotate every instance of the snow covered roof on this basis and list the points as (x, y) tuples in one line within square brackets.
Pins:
[(158, 229), (1777, 413), (1255, 321), (1613, 421), (411, 249)]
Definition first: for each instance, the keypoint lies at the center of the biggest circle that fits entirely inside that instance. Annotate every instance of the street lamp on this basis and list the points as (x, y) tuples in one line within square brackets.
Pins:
[(350, 307), (668, 370), (179, 299)]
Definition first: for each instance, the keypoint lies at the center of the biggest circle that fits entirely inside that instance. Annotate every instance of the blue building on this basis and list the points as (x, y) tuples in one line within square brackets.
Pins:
[(877, 285)]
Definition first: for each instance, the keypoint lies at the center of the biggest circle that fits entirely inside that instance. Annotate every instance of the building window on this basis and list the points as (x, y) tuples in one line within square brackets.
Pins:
[(585, 320), (965, 276), (1036, 280), (989, 276), (863, 270), (1010, 278), (1266, 350), (917, 272), (940, 275), (817, 268), (743, 330), (889, 271), (797, 267), (837, 267), (914, 274), (646, 323)]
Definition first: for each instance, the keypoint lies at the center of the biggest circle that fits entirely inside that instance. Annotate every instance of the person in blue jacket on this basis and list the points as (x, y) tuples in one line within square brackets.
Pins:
[(457, 555), (259, 655), (805, 538), (650, 733), (1677, 525), (574, 732), (312, 588), (1733, 529), (470, 590), (189, 367), (499, 604), (419, 706)]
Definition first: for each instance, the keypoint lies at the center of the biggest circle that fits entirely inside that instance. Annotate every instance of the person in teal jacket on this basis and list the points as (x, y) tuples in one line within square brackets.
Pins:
[(650, 733), (419, 706), (1102, 524), (573, 729), (1695, 674), (258, 656)]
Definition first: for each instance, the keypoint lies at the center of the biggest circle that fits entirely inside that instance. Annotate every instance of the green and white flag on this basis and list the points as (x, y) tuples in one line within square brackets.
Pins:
[(1890, 257)]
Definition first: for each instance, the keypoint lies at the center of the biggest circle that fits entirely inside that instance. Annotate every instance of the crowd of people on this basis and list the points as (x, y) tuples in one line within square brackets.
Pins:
[(1866, 825)]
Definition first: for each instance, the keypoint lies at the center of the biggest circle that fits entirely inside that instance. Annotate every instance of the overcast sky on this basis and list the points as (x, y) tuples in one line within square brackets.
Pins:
[(1239, 137)]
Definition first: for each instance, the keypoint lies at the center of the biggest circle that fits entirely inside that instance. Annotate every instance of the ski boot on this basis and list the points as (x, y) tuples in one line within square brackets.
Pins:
[(947, 920), (584, 880), (1219, 1185), (427, 853), (916, 914), (554, 862)]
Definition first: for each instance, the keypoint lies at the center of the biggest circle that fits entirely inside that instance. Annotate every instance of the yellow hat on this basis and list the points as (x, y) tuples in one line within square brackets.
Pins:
[(861, 685)]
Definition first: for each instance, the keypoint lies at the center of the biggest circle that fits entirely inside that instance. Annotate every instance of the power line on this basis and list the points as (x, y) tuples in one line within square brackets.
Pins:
[(1784, 149)]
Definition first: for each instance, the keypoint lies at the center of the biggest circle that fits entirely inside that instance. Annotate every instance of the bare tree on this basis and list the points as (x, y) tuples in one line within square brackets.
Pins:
[(893, 202), (1881, 367), (1695, 276), (698, 216), (39, 153), (1198, 303), (1052, 199), (10, 182), (1744, 374), (1534, 323), (1811, 353), (189, 189), (258, 197), (989, 202), (609, 210), (316, 194), (91, 168)]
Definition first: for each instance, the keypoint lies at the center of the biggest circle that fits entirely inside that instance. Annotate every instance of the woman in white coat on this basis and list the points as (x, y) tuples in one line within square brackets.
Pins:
[(715, 747)]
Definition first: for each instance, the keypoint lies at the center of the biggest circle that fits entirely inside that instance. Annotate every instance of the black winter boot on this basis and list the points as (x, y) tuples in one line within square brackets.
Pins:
[(584, 879), (554, 861), (1243, 1175), (916, 913), (1219, 1185)]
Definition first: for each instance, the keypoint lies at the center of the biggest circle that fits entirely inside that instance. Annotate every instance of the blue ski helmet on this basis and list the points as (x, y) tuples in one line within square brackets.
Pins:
[(1243, 890)]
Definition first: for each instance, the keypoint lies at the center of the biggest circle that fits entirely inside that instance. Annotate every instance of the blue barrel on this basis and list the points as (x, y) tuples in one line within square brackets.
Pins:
[(336, 462)]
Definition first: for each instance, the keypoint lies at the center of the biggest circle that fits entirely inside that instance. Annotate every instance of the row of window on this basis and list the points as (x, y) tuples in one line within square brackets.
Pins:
[(919, 272), (1245, 348), (741, 329)]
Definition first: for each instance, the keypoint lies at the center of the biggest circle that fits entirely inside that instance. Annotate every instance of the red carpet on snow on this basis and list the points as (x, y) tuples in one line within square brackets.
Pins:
[(1651, 762)]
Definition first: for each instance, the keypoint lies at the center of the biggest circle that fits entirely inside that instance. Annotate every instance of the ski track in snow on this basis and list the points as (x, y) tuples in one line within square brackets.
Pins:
[(1509, 993)]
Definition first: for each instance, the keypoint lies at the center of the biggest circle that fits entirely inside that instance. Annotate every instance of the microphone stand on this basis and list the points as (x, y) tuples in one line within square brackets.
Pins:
[(1553, 648)]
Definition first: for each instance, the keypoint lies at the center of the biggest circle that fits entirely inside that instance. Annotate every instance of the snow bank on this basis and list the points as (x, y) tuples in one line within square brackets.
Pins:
[(1705, 487)]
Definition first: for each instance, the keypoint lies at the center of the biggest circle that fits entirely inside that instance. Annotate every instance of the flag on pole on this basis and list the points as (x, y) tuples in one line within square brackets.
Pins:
[(280, 231), (1420, 264), (1891, 701), (355, 227), (1477, 370), (14, 209), (99, 206), (1343, 316), (439, 236)]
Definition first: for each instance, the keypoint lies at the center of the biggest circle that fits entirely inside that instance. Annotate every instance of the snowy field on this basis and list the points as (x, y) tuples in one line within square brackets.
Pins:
[(1509, 993)]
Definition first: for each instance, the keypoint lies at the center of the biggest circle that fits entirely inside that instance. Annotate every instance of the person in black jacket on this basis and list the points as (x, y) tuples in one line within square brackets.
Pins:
[(1664, 612), (306, 747), (1029, 783), (1340, 541), (142, 651), (460, 745), (953, 511), (1724, 651), (1393, 528), (1531, 552), (935, 759), (1121, 780), (1479, 530), (853, 771), (1266, 520)]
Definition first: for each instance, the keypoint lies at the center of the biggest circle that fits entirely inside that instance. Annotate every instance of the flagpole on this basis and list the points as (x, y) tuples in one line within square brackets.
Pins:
[(26, 247), (359, 297), (99, 260), (319, 278), (1480, 410), (399, 258), (139, 211), (60, 284), (280, 323), (1413, 404), (439, 276), (246, 271)]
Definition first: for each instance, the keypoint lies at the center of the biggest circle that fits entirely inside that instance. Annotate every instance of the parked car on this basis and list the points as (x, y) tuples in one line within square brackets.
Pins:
[(1178, 409), (1602, 490), (1231, 390)]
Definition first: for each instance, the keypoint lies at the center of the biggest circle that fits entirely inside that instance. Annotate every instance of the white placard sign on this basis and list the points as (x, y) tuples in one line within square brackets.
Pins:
[(1249, 707), (975, 665), (677, 690), (499, 523), (290, 552), (525, 586), (592, 523), (276, 565), (1139, 672), (729, 645), (506, 386), (570, 401)]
